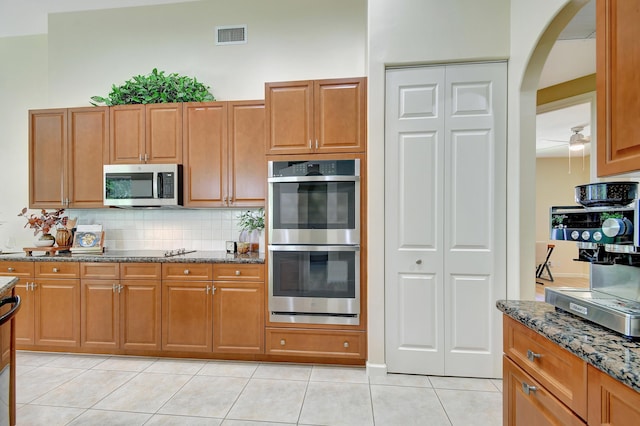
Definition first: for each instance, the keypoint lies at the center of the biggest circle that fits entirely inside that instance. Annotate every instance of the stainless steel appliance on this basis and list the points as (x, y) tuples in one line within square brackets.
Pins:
[(142, 185), (314, 236), (314, 202), (314, 284), (608, 237)]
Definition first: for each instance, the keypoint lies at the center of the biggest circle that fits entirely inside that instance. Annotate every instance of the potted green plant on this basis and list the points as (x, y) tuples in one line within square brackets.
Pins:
[(154, 88), (252, 224), (559, 229)]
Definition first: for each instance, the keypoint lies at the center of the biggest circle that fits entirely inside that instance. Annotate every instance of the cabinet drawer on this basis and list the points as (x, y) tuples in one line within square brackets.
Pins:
[(16, 269), (140, 271), (57, 269), (315, 343), (100, 271), (235, 272), (187, 271), (559, 371), (527, 402)]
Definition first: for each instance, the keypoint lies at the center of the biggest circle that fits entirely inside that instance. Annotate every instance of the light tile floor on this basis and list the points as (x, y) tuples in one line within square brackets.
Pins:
[(68, 389)]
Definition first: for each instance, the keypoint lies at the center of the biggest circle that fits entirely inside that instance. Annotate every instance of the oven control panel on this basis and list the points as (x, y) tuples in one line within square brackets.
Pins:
[(314, 168)]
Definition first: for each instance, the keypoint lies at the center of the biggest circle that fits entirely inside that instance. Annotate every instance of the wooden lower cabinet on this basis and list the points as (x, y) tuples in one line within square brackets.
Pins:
[(124, 314), (57, 312), (24, 320), (121, 306), (238, 317), (187, 316), (316, 343), (530, 403), (544, 384), (611, 402)]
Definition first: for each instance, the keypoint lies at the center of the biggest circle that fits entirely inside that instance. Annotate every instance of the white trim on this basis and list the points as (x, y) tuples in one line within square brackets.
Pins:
[(376, 370)]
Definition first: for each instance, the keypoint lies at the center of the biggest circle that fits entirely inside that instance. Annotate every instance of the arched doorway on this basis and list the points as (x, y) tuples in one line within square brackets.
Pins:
[(521, 209)]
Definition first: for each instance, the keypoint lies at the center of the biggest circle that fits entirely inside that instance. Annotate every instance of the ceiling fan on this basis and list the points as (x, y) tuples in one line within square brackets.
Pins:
[(577, 140)]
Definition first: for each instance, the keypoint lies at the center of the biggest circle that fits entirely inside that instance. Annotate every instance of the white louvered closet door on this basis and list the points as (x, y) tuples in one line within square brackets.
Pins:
[(445, 219)]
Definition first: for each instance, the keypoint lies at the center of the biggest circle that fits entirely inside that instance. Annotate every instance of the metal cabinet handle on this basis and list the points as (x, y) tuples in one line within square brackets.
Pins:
[(55, 270), (146, 157), (532, 355), (140, 157), (310, 145), (213, 290), (528, 388), (316, 143), (33, 286), (282, 342), (346, 344), (237, 273), (113, 287), (186, 272), (207, 290), (10, 269)]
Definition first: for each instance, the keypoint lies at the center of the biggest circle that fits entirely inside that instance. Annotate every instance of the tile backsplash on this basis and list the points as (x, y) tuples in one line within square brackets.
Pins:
[(164, 229)]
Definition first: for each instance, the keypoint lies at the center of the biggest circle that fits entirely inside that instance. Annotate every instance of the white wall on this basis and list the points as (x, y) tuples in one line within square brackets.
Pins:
[(406, 32), (85, 53)]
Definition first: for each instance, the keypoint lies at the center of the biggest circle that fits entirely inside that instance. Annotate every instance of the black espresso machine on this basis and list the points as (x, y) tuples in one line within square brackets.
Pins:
[(606, 228)]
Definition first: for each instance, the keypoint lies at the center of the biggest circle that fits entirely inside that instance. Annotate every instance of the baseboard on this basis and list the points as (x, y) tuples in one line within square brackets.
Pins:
[(376, 370)]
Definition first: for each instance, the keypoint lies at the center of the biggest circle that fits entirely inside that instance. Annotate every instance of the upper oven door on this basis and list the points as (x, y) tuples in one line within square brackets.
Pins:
[(314, 210)]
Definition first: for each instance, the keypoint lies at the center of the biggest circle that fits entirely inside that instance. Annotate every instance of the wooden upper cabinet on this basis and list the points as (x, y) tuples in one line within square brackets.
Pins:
[(223, 148), (247, 174), (150, 133), (618, 104), (204, 167), (47, 159), (319, 116), (88, 151), (67, 148)]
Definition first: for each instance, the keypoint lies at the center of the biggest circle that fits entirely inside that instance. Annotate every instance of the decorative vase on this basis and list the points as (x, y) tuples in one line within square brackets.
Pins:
[(254, 241), (46, 240), (63, 237)]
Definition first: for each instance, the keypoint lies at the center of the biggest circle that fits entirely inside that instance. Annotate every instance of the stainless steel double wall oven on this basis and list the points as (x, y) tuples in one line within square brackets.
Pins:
[(314, 241)]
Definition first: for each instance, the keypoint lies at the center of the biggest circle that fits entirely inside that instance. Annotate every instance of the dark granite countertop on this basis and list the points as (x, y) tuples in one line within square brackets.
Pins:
[(7, 284), (608, 351), (140, 256)]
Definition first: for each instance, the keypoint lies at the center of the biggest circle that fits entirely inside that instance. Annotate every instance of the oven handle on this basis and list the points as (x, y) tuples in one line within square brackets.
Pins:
[(290, 247), (16, 305), (314, 179)]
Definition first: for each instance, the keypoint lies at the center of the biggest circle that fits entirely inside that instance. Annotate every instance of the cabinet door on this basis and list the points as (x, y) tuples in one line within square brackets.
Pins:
[(127, 134), (205, 165), (24, 319), (100, 314), (618, 107), (526, 402), (289, 117), (163, 133), (611, 402), (47, 158), (140, 310), (238, 317), (186, 316), (246, 151), (340, 115), (57, 312), (87, 152)]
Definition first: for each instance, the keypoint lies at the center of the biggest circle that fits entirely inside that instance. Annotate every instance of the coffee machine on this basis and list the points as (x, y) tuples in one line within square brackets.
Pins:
[(606, 229)]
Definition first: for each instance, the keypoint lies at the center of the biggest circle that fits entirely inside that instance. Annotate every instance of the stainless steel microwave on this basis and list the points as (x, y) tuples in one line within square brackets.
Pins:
[(142, 185)]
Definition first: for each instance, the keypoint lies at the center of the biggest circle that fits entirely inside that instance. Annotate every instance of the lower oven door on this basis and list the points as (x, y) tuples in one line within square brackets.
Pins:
[(314, 284)]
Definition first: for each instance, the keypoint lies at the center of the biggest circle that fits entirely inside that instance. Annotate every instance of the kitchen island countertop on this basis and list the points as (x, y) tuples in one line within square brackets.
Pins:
[(140, 256), (6, 285), (608, 351)]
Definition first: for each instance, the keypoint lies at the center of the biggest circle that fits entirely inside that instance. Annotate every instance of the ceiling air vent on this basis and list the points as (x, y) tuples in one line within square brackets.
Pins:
[(231, 34)]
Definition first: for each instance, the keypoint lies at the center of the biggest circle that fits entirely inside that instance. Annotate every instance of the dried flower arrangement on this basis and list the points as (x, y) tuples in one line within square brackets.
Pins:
[(45, 221)]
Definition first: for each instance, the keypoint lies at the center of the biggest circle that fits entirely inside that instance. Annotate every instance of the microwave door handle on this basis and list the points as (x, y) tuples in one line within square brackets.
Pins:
[(160, 186), (155, 184)]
